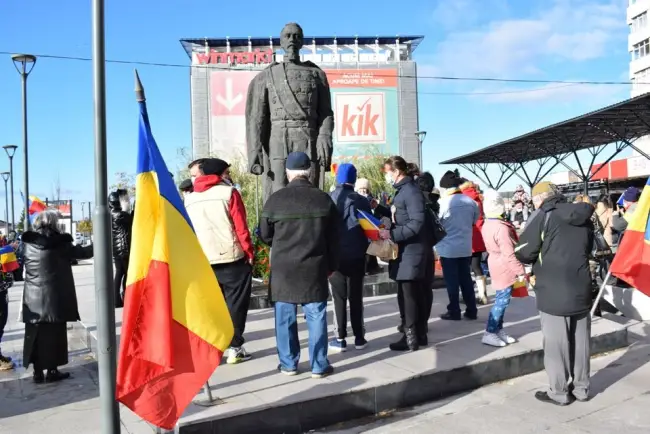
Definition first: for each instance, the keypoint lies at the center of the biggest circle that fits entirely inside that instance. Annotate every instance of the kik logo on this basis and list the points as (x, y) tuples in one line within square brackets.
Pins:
[(360, 117)]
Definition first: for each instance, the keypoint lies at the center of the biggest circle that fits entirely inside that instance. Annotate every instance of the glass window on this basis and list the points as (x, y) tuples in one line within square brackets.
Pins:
[(639, 23), (641, 49)]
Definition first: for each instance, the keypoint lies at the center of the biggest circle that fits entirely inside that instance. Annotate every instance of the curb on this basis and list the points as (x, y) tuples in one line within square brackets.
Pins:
[(301, 417)]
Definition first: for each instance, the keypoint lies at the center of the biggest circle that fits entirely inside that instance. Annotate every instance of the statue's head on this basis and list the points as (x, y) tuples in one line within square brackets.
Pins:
[(291, 40)]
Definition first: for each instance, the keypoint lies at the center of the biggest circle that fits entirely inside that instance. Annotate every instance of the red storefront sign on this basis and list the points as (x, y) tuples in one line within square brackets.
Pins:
[(255, 57)]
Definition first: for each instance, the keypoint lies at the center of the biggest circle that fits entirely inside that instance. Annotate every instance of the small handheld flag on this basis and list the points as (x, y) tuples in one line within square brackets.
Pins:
[(8, 260), (370, 225)]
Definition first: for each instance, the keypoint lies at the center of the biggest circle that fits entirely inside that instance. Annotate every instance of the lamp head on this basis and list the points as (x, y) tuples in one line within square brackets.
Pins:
[(10, 150), (421, 135), (5, 176), (24, 63)]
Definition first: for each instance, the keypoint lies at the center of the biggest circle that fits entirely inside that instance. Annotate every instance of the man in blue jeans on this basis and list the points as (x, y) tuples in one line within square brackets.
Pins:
[(457, 215), (301, 224)]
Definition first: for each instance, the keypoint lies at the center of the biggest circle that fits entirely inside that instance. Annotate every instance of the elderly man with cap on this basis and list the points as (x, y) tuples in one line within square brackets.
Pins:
[(557, 241), (301, 224), (218, 215), (347, 280)]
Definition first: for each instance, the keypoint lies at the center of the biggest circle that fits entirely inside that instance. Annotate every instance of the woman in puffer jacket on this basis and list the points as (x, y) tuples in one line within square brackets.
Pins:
[(472, 190), (500, 238), (121, 223)]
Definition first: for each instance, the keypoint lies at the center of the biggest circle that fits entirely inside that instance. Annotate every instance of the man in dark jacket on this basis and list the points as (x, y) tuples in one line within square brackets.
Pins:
[(300, 223), (557, 241), (121, 223), (347, 280)]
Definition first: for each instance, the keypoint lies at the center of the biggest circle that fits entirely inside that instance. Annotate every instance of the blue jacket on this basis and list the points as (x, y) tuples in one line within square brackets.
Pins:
[(353, 242), (457, 214), (410, 233)]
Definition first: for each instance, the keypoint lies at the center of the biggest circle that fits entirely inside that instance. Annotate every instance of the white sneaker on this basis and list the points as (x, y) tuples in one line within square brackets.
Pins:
[(505, 337), (237, 355), (493, 340)]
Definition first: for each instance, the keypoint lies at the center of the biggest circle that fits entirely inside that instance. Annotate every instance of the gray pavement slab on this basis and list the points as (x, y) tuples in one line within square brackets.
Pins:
[(620, 400), (255, 397)]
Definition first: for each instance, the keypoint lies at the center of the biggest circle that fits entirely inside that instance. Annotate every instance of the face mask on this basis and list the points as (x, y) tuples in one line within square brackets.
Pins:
[(389, 179), (193, 179)]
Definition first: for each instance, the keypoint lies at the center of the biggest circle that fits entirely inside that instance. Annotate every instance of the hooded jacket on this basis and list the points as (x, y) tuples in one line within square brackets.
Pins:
[(353, 241), (559, 247), (49, 294), (470, 190)]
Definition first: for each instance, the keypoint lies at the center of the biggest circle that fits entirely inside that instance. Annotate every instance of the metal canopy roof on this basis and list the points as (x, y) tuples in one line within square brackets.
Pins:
[(621, 122), (413, 41)]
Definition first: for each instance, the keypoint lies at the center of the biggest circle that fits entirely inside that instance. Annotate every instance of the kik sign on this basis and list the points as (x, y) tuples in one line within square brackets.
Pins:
[(360, 117)]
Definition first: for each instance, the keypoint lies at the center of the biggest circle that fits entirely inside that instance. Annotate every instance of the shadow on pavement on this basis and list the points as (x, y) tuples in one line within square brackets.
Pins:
[(22, 396)]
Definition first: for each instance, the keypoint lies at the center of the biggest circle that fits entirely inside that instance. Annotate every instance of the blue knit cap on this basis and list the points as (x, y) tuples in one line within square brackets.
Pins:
[(346, 174)]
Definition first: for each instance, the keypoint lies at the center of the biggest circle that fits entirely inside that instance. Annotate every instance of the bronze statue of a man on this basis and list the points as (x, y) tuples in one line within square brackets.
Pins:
[(289, 109)]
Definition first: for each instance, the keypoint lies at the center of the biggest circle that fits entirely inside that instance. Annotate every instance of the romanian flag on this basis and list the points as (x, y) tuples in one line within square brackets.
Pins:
[(175, 324), (632, 260), (369, 224), (8, 261), (36, 206)]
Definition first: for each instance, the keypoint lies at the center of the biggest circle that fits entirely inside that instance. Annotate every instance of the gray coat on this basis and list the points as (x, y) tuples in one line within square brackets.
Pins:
[(409, 232)]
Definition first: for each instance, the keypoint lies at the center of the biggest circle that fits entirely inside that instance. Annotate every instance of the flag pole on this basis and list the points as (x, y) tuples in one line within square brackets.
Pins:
[(600, 293), (104, 296)]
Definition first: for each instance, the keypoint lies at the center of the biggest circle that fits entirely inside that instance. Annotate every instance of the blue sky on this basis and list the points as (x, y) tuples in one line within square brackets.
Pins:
[(544, 39)]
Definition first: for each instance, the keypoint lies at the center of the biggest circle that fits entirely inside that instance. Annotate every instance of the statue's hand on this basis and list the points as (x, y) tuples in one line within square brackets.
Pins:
[(257, 169), (323, 151)]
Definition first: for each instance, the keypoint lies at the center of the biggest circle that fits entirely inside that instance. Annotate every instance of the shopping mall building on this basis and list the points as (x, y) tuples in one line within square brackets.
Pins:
[(373, 82)]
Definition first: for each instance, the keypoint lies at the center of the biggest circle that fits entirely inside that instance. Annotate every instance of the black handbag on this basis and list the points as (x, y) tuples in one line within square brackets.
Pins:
[(436, 231)]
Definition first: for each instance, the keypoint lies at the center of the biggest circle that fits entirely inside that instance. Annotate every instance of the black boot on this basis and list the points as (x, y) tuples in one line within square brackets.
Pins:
[(38, 376), (412, 339), (54, 375), (400, 345)]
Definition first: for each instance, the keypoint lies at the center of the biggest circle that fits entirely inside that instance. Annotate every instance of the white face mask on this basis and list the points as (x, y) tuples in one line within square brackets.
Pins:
[(193, 179), (389, 179)]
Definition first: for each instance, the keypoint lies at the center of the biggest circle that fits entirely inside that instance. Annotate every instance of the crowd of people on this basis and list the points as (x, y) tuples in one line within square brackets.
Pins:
[(318, 249)]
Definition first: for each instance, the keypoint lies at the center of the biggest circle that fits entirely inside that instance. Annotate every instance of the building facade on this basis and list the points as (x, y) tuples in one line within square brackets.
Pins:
[(639, 47), (373, 83)]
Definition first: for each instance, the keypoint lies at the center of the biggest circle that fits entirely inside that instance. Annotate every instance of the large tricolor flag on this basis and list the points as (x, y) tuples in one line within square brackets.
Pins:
[(632, 260), (175, 324)]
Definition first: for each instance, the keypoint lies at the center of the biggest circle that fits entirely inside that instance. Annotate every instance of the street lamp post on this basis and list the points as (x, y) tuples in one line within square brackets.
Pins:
[(104, 295), (5, 177), (420, 135), (24, 64), (11, 151)]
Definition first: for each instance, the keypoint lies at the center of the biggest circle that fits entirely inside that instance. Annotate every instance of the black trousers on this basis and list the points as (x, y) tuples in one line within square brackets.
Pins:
[(236, 280), (413, 304), (119, 283), (347, 286), (4, 312), (426, 301)]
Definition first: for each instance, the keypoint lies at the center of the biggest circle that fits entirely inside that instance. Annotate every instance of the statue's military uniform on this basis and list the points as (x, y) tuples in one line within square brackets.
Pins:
[(288, 107)]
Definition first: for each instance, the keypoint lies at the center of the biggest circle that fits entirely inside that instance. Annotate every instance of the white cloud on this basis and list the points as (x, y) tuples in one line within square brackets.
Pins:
[(565, 30), (557, 93)]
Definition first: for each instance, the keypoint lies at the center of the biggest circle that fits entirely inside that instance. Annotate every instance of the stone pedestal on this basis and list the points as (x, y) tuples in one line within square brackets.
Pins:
[(631, 302)]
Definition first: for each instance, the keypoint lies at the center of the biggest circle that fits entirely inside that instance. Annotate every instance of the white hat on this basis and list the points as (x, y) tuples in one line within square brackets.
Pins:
[(362, 183), (493, 204)]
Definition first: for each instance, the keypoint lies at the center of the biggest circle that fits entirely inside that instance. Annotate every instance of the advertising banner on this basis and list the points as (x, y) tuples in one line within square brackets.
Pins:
[(364, 102), (63, 206)]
